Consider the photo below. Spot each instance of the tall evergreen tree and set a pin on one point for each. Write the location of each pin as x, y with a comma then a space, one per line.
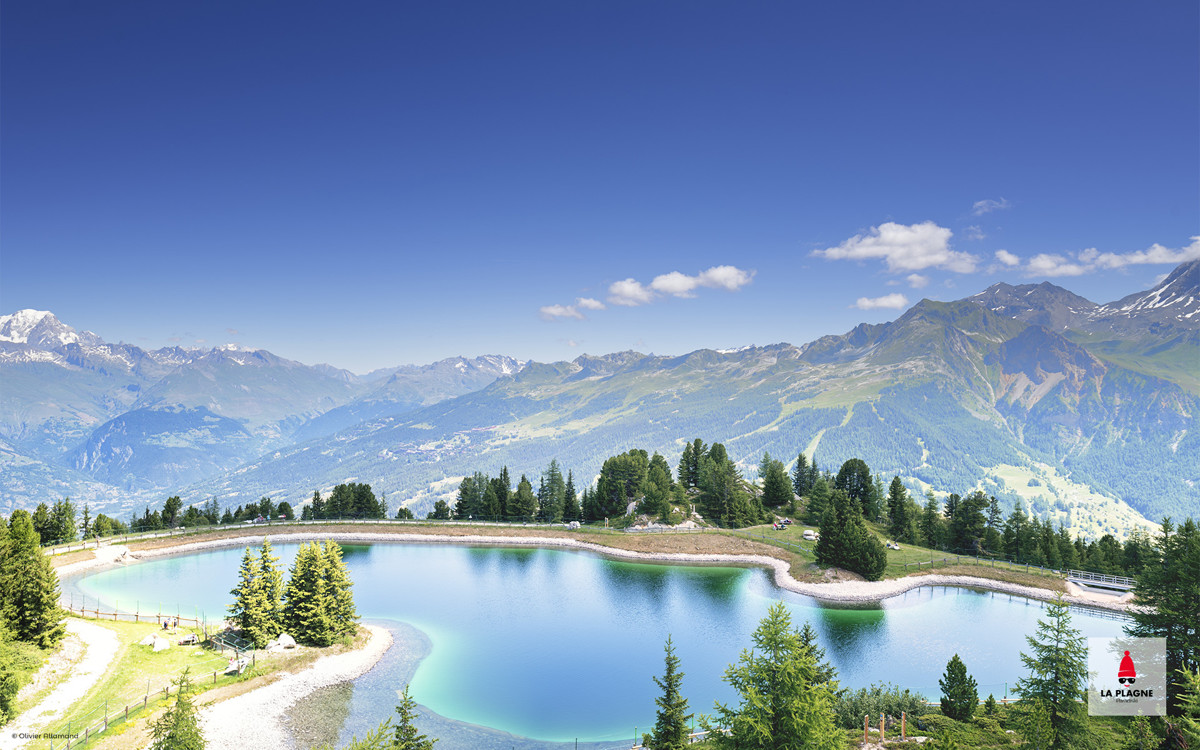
30, 605
825, 671
801, 481
571, 509
1057, 675
523, 504
272, 590
249, 608
959, 694
307, 599
406, 736
783, 706
846, 542
777, 489
897, 507
41, 523
170, 512
854, 478
178, 728
62, 521
343, 617
818, 502
1168, 598
671, 724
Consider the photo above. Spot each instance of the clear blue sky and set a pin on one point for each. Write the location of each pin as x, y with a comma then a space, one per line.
370, 184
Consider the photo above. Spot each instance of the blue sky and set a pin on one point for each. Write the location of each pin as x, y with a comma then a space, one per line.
381, 183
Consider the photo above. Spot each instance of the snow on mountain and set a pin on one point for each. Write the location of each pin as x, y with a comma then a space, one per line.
40, 329
1176, 298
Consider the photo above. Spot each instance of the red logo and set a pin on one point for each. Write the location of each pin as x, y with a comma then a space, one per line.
1126, 674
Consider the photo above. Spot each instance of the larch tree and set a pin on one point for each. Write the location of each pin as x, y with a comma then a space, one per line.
1057, 676
406, 735
178, 728
783, 706
249, 608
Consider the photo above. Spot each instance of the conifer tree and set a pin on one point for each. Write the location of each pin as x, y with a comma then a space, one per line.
782, 704
307, 599
897, 508
777, 490
406, 736
30, 605
1057, 679
801, 481
523, 504
818, 502
571, 509
272, 590
825, 671
671, 726
250, 607
959, 694
846, 542
1168, 595
343, 618
178, 728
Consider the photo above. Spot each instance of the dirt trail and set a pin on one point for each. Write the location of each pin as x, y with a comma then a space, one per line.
100, 648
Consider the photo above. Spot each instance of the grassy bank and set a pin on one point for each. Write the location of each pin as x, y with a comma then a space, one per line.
138, 676
787, 545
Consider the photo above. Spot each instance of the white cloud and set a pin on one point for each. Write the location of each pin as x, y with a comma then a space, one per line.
917, 281
629, 293
1007, 258
729, 278
1052, 264
1156, 253
975, 233
1091, 260
557, 312
675, 283
895, 301
904, 248
988, 205
633, 293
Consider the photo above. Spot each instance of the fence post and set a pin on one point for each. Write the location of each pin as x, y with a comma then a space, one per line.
866, 728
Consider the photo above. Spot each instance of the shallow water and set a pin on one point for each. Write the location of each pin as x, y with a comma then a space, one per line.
557, 645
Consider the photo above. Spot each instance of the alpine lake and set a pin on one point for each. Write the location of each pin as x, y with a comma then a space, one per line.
546, 648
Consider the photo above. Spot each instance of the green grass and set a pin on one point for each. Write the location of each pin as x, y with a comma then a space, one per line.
24, 659
911, 555
137, 669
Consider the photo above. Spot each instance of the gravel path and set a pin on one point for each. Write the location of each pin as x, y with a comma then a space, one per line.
253, 719
101, 646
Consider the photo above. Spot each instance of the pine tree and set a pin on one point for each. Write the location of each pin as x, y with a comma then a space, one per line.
85, 526
685, 466
825, 672
30, 605
782, 704
343, 618
407, 737
307, 600
671, 726
777, 490
249, 610
818, 502
1168, 599
272, 590
571, 509
959, 694
897, 507
1057, 678
846, 542
523, 504
178, 728
801, 481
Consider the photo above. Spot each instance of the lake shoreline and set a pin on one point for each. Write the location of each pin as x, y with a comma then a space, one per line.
839, 592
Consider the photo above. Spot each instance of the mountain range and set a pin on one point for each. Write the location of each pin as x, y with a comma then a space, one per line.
1085, 412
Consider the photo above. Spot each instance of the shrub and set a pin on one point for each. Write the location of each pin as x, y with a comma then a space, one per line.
853, 705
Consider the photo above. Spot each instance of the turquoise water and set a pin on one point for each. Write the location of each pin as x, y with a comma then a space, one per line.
556, 645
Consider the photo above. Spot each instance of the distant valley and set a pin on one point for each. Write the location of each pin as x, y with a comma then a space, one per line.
1085, 412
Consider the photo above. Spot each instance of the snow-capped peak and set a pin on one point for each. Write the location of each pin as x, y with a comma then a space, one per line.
39, 328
